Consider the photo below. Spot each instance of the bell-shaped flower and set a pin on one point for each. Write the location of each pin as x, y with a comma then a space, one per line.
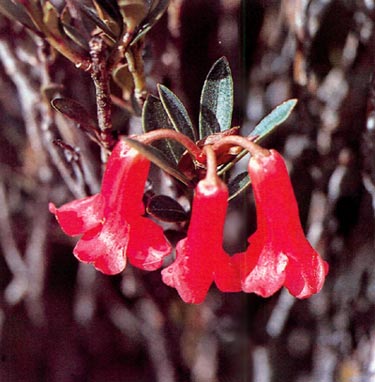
278, 253
200, 258
111, 222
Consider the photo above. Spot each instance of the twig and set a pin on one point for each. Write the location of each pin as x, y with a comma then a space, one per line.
136, 68
280, 314
85, 299
86, 178
371, 361
152, 325
35, 259
148, 322
206, 360
261, 363
28, 99
100, 76
12, 255
2, 320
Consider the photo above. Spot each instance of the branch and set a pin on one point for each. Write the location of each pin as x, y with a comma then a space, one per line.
100, 76
12, 256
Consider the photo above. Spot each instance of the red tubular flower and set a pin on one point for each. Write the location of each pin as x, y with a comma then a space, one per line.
200, 258
278, 254
111, 222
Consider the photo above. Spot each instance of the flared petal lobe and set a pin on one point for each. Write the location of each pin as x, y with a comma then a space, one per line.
147, 246
105, 248
79, 216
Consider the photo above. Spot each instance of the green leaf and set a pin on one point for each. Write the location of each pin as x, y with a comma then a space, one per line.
273, 119
166, 209
123, 78
155, 117
216, 104
176, 112
91, 14
35, 12
77, 113
238, 184
157, 157
75, 35
17, 12
133, 12
265, 127
51, 20
111, 8
74, 111
50, 90
156, 11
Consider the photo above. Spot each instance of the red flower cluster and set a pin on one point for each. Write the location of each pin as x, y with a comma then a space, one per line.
114, 229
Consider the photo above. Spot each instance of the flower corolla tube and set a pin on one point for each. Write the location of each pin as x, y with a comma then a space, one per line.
278, 253
111, 222
200, 258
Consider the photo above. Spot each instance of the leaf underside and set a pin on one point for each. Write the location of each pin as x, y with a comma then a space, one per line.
275, 118
74, 111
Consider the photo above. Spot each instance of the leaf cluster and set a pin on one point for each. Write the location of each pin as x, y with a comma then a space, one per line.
215, 118
69, 29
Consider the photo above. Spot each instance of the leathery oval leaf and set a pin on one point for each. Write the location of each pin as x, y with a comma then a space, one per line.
277, 116
216, 104
166, 209
176, 112
73, 110
155, 117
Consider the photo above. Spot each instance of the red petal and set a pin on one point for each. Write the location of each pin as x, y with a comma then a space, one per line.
227, 275
124, 180
262, 266
79, 216
147, 246
106, 249
306, 277
188, 275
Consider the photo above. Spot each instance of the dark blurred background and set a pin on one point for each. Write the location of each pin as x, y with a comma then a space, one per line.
61, 321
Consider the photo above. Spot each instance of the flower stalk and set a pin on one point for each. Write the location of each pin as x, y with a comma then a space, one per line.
151, 136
